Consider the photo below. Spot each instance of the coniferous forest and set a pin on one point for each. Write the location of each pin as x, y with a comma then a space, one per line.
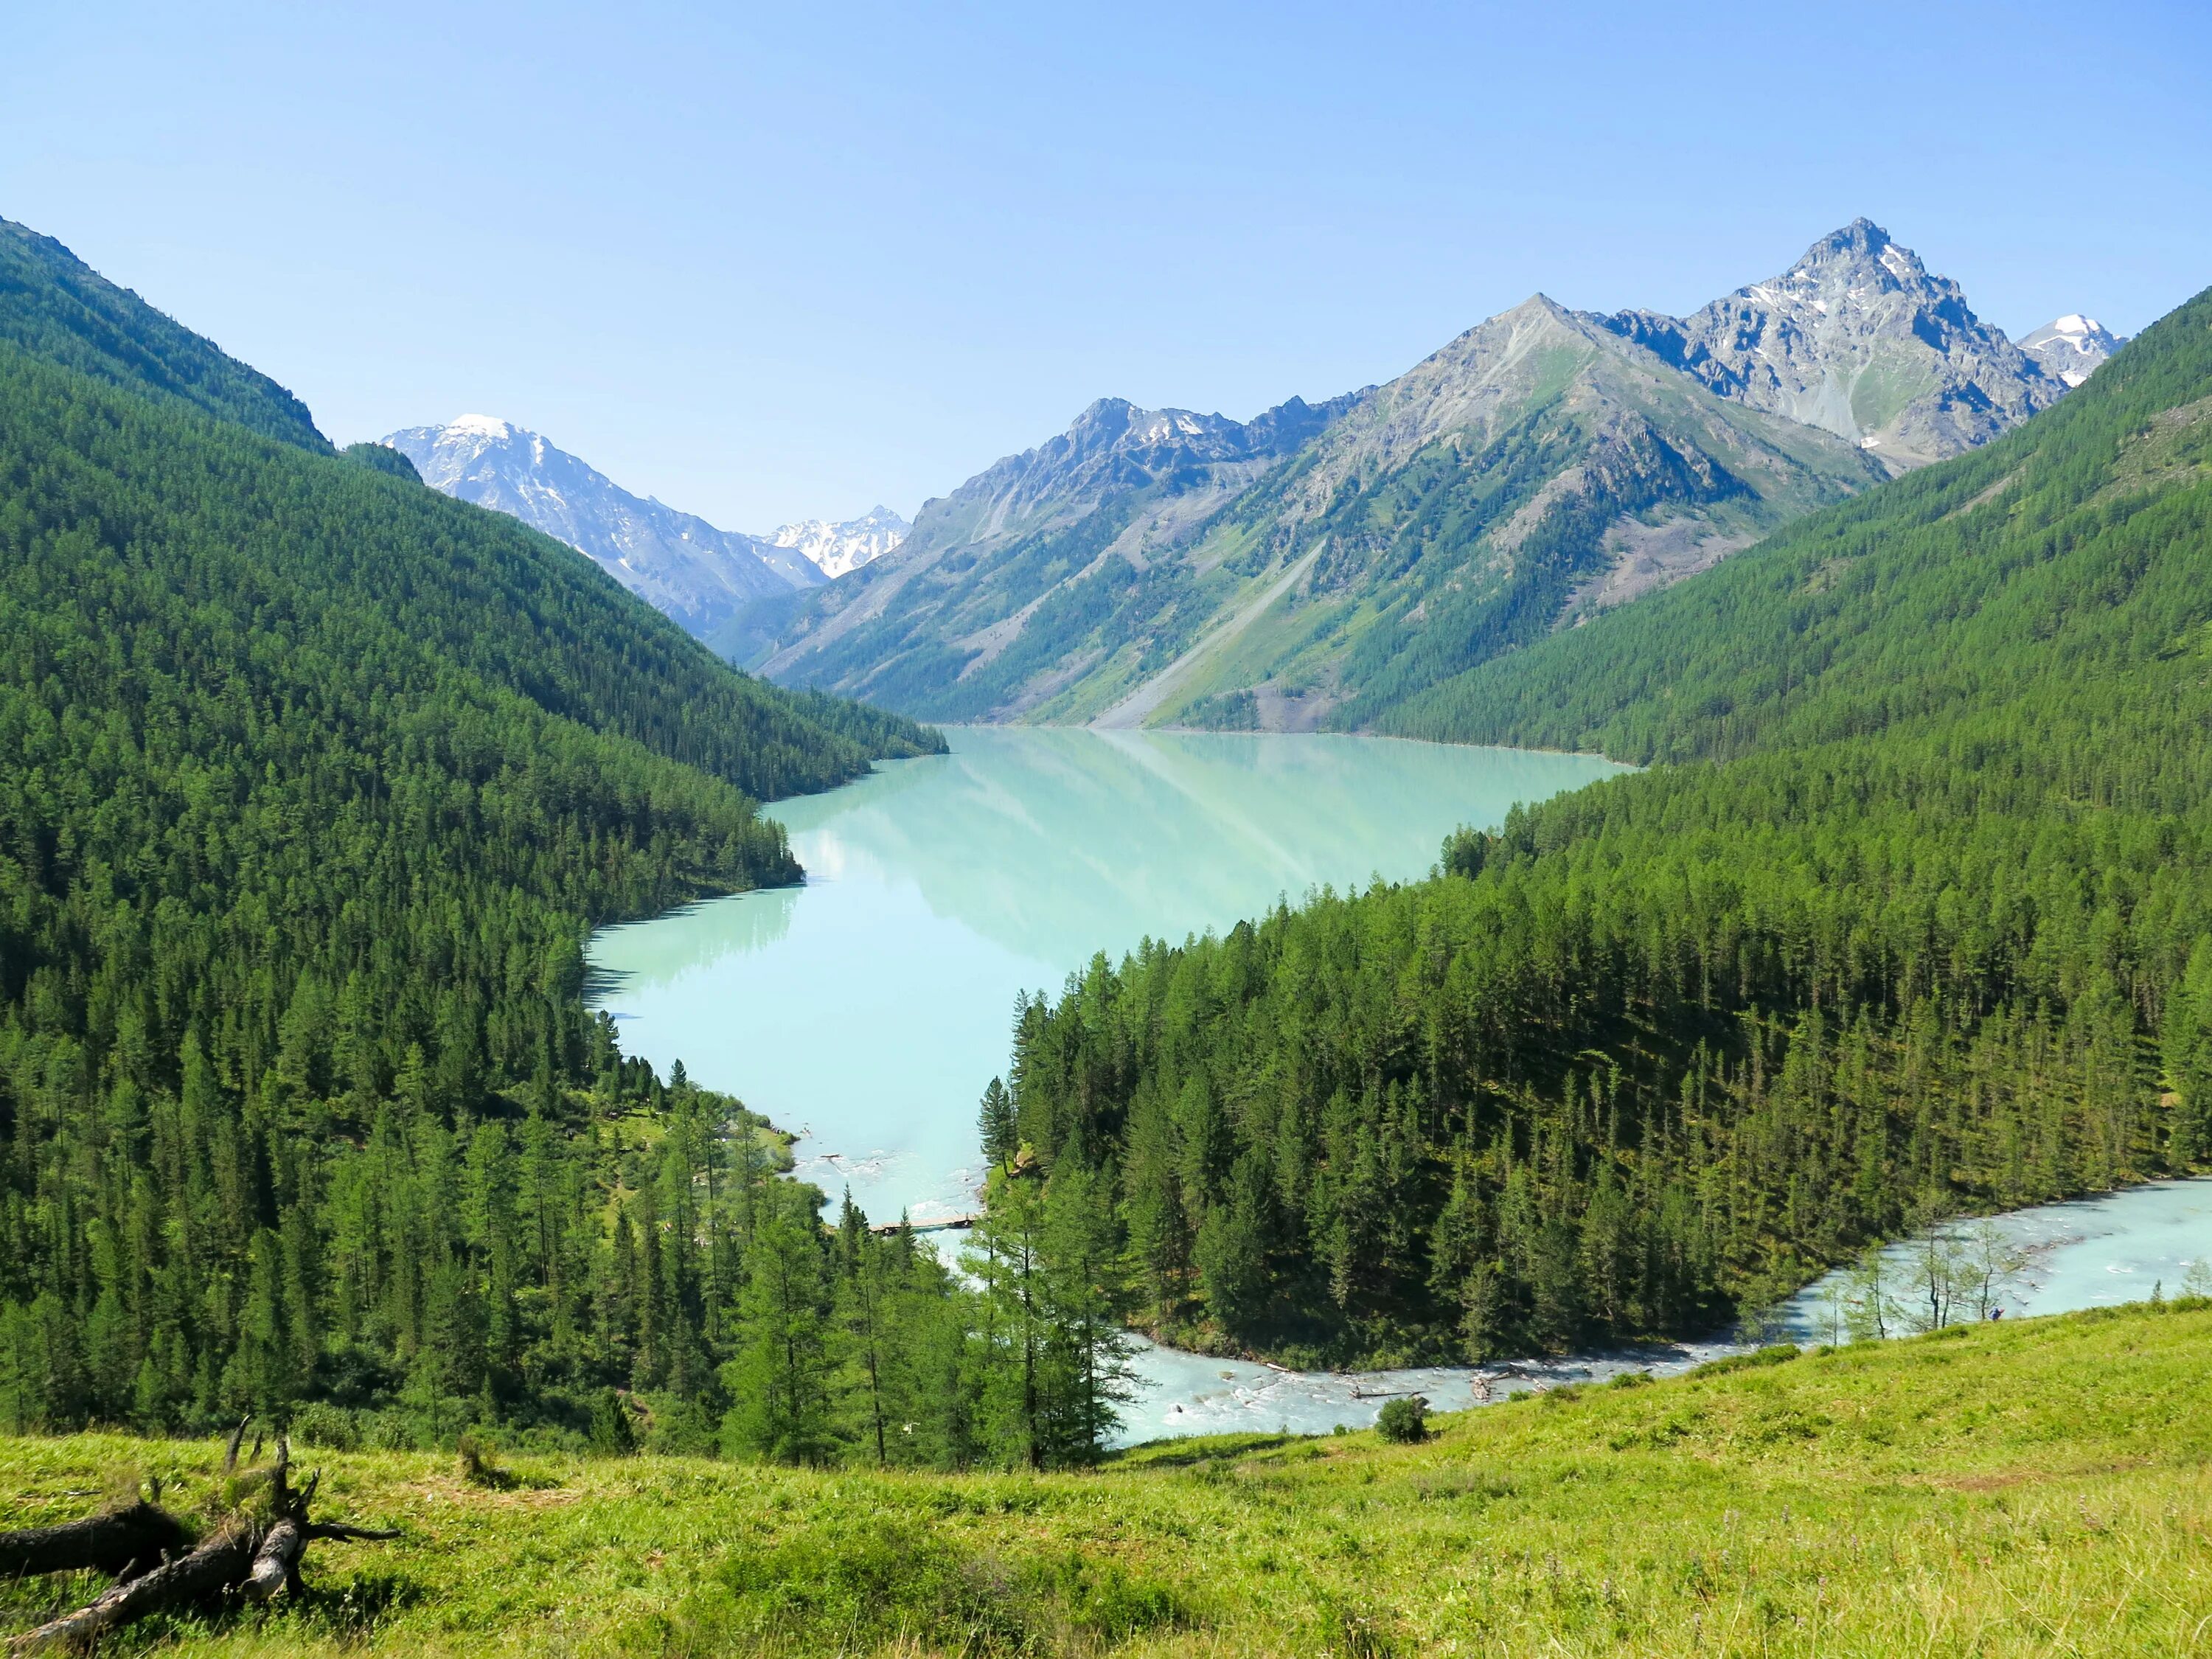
1912, 916
311, 783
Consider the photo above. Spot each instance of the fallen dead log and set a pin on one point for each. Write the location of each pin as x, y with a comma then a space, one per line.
202, 1576
245, 1557
135, 1535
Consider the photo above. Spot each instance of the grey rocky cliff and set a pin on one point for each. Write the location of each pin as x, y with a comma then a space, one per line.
1858, 339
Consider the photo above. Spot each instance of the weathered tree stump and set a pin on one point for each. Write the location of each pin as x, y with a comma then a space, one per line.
275, 1569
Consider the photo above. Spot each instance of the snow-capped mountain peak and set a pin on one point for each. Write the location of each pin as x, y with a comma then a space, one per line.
835, 548
676, 562
2071, 347
479, 426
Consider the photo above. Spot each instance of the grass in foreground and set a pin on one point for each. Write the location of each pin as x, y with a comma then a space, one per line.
2037, 1488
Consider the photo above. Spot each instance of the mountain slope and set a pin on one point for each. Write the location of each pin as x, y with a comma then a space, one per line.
675, 562
1915, 600
1546, 466
1536, 470
1911, 913
311, 781
1038, 546
55, 307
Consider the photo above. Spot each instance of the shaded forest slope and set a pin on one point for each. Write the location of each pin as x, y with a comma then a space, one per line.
311, 781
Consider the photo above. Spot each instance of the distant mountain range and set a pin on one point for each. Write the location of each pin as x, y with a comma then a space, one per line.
676, 561
1322, 563
835, 548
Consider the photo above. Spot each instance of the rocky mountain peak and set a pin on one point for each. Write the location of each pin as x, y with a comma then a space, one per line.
1857, 337
2070, 347
835, 548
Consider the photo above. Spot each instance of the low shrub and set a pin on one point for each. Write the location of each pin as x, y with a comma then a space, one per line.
330, 1428
478, 1466
1404, 1420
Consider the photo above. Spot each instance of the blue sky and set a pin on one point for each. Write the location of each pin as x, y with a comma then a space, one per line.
773, 263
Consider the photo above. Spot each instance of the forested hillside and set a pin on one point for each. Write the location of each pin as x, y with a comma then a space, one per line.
1918, 918
311, 781
57, 308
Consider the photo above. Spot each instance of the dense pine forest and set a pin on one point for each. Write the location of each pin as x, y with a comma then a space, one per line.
311, 783
1914, 919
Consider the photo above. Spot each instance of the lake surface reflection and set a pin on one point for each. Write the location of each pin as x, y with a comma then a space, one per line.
865, 1009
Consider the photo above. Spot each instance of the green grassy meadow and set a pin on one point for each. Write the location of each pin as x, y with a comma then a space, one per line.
2044, 1487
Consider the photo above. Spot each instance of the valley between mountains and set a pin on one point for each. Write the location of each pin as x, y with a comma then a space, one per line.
316, 784
1319, 566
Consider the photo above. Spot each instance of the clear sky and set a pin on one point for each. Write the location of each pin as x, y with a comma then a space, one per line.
768, 263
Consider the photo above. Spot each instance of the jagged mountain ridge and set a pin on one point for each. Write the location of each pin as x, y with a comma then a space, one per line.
676, 562
835, 548
1160, 566
1857, 338
2071, 347
980, 564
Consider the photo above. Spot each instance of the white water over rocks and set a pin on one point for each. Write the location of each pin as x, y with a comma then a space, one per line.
2086, 1252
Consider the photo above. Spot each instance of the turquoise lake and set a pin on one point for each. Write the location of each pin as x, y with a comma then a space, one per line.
865, 1009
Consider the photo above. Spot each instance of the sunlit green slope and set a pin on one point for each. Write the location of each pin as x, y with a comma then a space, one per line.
2030, 1489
